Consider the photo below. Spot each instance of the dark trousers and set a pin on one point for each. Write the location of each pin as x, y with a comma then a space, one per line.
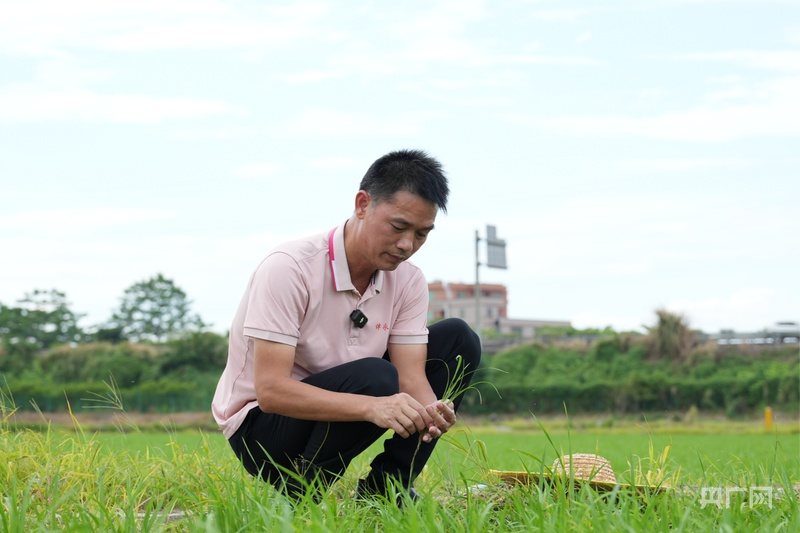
289, 452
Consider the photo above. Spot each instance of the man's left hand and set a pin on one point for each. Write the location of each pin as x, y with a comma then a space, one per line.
444, 417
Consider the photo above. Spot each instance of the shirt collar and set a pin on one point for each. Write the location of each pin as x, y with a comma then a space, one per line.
337, 258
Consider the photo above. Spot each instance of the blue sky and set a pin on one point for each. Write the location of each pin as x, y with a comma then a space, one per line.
634, 155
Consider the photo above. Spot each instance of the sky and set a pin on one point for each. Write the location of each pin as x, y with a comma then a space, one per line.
634, 155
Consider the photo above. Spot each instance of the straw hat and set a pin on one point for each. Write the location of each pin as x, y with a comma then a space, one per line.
585, 466
582, 468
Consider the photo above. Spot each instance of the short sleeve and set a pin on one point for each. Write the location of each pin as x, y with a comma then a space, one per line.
277, 300
410, 326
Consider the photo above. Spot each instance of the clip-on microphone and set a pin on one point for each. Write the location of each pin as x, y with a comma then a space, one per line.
359, 318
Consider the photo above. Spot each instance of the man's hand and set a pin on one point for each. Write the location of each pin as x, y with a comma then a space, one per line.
400, 413
410, 360
443, 417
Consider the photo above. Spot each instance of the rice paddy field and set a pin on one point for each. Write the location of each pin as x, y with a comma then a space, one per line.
708, 475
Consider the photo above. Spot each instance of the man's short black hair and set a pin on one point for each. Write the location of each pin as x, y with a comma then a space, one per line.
412, 171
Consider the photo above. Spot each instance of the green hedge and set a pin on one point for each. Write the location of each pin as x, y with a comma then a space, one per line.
640, 392
613, 376
165, 396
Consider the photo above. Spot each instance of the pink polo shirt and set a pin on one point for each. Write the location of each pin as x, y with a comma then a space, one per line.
301, 294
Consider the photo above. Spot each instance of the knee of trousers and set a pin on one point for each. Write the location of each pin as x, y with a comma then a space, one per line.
469, 344
374, 377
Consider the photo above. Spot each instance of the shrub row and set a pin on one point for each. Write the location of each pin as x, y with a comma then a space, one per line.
166, 396
639, 393
611, 376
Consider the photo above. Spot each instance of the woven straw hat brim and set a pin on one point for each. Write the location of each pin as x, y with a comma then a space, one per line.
578, 468
532, 478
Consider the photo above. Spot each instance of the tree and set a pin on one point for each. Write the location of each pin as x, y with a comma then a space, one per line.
194, 353
671, 337
43, 319
154, 310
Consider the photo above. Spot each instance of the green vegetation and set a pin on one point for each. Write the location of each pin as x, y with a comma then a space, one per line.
178, 375
152, 349
156, 354
618, 376
77, 480
663, 372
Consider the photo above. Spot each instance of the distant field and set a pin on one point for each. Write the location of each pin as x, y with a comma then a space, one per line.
713, 454
691, 455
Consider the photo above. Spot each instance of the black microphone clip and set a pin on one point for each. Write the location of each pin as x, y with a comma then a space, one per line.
359, 318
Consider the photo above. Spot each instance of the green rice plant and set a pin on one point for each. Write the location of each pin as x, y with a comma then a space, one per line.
7, 407
112, 400
183, 488
455, 388
653, 470
71, 479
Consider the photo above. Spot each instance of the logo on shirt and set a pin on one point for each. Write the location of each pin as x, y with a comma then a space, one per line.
384, 326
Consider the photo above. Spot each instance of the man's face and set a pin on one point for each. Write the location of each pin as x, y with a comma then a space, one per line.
396, 229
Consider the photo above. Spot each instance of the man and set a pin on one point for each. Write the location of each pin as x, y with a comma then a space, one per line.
329, 347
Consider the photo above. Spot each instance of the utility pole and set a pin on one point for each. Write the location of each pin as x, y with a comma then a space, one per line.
477, 284
495, 258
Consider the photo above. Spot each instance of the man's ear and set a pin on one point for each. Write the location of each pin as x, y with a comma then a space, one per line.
363, 200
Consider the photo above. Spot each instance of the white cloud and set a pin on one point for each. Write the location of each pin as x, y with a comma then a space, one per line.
567, 14
792, 34
651, 97
78, 220
311, 76
776, 111
193, 134
25, 104
331, 123
258, 170
68, 73
448, 85
439, 36
337, 164
438, 32
207, 33
787, 61
488, 60
683, 164
49, 27
727, 79
462, 93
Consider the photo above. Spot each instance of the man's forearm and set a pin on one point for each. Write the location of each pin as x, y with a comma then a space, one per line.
420, 390
293, 398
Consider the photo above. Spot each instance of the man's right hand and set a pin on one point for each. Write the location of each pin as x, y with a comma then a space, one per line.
400, 413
